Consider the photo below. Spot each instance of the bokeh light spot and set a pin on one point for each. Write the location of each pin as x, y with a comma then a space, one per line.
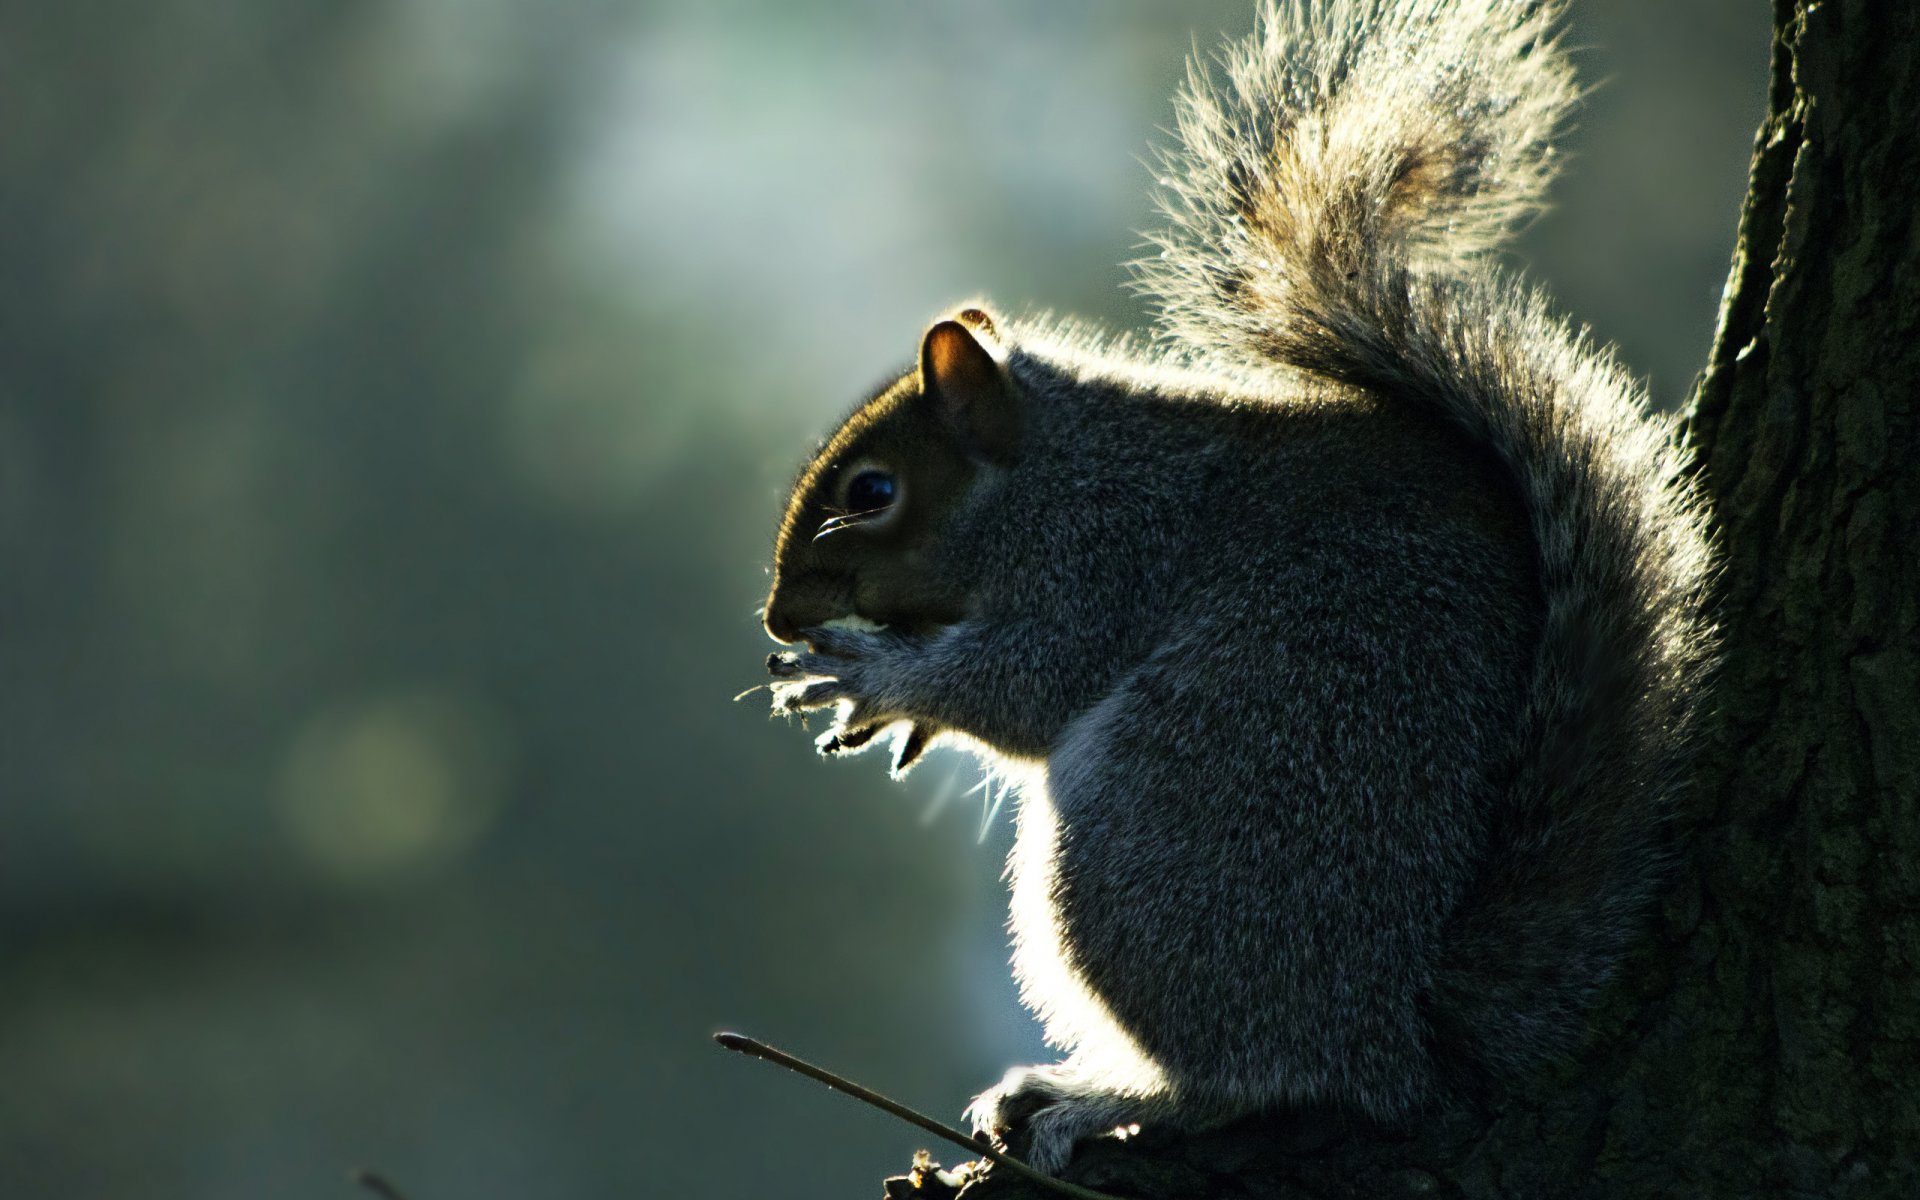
394, 784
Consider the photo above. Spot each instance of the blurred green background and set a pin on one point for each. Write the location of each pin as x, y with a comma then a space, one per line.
395, 402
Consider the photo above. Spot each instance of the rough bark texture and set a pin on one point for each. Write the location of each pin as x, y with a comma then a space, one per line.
1766, 1040
1805, 429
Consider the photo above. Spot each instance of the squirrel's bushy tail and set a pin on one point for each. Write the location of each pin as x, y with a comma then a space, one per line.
1332, 201
1346, 135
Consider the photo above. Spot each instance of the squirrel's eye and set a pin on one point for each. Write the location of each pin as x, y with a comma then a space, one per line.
869, 497
870, 490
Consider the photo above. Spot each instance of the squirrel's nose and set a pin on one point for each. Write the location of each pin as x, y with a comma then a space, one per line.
780, 627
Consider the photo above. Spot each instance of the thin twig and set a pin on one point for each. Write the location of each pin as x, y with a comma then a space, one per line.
757, 1049
376, 1183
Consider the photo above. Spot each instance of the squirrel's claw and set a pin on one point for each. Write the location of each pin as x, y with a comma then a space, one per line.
805, 695
808, 664
785, 665
908, 749
841, 740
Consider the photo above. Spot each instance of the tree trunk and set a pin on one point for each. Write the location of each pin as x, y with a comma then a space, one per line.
1802, 978
1766, 1040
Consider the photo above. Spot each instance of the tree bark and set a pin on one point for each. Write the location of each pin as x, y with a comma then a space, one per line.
1766, 1039
1804, 430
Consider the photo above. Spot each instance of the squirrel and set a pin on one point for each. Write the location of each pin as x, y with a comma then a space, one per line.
1347, 641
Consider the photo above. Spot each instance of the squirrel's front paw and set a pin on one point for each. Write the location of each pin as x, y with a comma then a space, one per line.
859, 671
836, 668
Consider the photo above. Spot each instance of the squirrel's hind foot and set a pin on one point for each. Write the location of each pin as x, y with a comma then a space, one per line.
1039, 1113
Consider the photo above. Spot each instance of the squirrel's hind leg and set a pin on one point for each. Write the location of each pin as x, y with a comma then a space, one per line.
1039, 1113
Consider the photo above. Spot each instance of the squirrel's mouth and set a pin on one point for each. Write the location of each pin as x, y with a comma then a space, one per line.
856, 622
852, 622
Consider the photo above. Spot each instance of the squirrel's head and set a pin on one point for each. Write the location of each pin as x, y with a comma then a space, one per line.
867, 512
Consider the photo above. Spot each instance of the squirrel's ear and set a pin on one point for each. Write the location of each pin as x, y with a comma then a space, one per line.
960, 373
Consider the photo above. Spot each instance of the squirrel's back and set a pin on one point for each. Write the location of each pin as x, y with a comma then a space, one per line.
1333, 202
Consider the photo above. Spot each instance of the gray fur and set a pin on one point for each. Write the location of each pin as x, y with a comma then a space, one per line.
1349, 651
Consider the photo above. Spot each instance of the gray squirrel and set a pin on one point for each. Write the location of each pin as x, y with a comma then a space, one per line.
1346, 641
